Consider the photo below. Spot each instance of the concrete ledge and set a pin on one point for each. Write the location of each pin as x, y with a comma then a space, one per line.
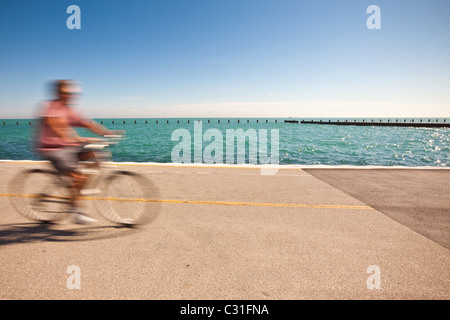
251, 166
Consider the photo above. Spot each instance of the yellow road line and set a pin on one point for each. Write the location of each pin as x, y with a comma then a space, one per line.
228, 203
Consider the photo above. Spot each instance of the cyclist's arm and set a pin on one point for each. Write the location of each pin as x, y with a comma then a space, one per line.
97, 128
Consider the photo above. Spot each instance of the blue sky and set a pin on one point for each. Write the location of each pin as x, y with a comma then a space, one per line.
214, 58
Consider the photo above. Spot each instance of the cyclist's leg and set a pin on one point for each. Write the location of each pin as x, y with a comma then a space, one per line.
78, 181
86, 155
65, 161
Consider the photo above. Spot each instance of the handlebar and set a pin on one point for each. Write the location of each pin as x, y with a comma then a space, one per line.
105, 142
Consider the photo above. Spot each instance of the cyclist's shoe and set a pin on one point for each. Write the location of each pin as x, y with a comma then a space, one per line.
80, 218
126, 221
86, 192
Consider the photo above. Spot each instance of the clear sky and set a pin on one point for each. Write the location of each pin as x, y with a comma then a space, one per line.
225, 58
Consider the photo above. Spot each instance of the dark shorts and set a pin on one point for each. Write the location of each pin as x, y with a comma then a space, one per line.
64, 160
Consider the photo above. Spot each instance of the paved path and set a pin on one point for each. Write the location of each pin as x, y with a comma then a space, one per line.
304, 239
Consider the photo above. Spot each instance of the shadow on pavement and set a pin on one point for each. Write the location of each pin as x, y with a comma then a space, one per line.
415, 198
47, 232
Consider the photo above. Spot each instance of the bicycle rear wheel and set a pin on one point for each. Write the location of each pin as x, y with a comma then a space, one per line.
128, 198
40, 195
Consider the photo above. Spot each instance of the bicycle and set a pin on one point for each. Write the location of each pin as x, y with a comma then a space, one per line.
121, 196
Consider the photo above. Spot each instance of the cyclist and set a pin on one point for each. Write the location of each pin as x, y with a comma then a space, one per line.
59, 143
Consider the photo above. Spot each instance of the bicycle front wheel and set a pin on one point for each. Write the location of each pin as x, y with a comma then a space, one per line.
40, 195
128, 198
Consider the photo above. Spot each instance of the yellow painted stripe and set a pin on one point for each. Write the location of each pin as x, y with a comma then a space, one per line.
228, 203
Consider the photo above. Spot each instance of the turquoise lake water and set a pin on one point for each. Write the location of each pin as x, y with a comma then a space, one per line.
150, 140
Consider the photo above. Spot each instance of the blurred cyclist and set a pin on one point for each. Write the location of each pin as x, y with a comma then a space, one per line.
59, 143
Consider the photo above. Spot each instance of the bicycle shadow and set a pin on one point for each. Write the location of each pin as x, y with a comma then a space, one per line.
32, 232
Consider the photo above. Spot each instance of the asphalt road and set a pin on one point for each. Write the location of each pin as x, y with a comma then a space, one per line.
419, 199
238, 235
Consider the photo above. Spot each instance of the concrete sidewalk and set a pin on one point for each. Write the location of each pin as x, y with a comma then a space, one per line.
304, 239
